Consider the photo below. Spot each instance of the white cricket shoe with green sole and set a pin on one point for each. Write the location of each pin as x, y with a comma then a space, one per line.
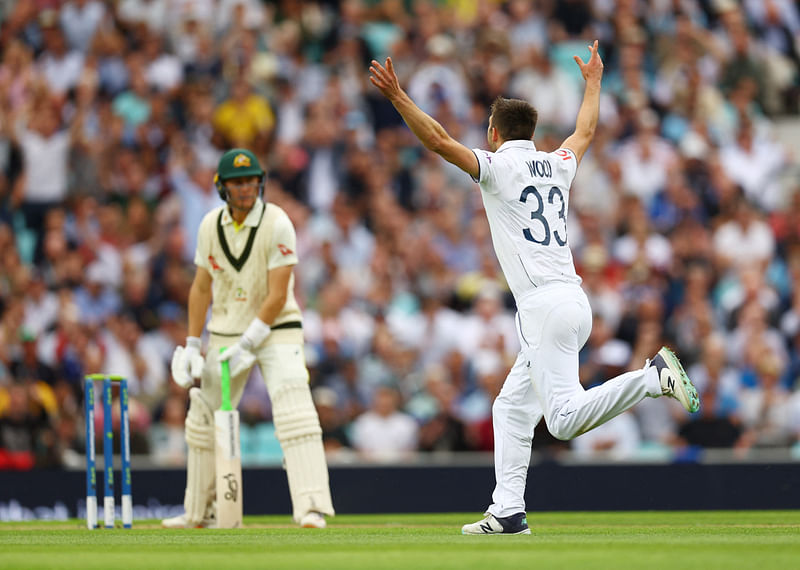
514, 524
674, 381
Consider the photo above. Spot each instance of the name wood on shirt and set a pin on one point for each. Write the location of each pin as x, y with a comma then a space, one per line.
540, 168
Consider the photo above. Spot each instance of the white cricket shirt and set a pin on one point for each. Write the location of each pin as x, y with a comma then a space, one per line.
526, 196
239, 262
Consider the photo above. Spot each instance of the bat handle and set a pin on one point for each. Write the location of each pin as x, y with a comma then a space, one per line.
225, 384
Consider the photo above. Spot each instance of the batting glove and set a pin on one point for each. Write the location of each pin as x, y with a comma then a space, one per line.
187, 362
240, 355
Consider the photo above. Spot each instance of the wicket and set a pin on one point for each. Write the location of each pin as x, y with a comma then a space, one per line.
108, 453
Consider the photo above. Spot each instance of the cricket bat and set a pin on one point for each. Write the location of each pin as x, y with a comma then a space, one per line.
228, 458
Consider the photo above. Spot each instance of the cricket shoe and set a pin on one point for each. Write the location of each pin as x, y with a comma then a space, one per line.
182, 522
514, 524
674, 381
313, 520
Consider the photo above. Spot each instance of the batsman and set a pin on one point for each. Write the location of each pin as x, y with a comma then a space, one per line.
245, 258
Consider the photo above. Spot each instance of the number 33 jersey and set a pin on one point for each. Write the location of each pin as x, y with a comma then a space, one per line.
526, 196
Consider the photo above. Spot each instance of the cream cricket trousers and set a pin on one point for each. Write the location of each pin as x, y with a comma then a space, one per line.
279, 364
297, 427
553, 323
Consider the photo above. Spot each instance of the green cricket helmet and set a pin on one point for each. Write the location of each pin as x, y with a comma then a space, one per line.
235, 163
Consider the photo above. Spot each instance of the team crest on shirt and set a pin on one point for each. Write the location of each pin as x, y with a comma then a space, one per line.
284, 250
240, 295
214, 265
241, 160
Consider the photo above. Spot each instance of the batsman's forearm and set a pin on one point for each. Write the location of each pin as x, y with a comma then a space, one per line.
271, 307
198, 308
426, 128
588, 114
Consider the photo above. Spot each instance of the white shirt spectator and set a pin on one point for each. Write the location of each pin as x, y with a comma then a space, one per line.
45, 161
119, 360
181, 10
438, 80
656, 250
528, 27
79, 20
384, 438
153, 13
646, 161
489, 327
433, 335
385, 433
551, 91
754, 164
744, 244
196, 202
616, 439
41, 308
61, 72
768, 412
728, 381
253, 14
165, 72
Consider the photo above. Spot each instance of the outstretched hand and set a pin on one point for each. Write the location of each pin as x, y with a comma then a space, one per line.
592, 70
385, 79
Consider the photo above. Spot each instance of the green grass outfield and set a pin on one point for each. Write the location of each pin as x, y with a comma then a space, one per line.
674, 540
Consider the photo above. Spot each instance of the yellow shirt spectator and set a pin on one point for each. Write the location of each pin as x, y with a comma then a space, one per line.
244, 116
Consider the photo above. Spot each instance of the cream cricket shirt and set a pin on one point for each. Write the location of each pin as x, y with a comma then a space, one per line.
239, 262
526, 196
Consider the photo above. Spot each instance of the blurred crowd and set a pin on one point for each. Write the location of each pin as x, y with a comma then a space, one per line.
685, 213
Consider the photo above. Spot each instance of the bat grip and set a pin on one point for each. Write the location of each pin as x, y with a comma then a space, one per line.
225, 385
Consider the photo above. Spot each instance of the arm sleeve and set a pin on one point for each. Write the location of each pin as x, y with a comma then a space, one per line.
486, 173
203, 246
566, 162
284, 243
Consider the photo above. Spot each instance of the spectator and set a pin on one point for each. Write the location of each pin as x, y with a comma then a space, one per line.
166, 438
96, 301
60, 64
384, 433
334, 436
765, 408
755, 163
489, 328
245, 119
80, 20
27, 408
42, 141
617, 439
444, 430
437, 85
28, 366
646, 160
743, 240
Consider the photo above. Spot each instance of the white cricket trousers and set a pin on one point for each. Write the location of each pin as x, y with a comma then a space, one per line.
553, 323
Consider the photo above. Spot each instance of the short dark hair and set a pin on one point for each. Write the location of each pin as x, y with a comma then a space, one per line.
514, 119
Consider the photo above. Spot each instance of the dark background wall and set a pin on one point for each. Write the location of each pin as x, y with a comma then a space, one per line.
382, 489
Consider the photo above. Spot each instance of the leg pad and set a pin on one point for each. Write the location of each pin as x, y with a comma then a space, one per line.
200, 466
298, 431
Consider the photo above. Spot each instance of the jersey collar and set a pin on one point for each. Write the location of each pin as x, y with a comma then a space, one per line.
517, 143
252, 219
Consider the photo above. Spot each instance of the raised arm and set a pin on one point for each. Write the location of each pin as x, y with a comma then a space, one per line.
592, 71
430, 133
